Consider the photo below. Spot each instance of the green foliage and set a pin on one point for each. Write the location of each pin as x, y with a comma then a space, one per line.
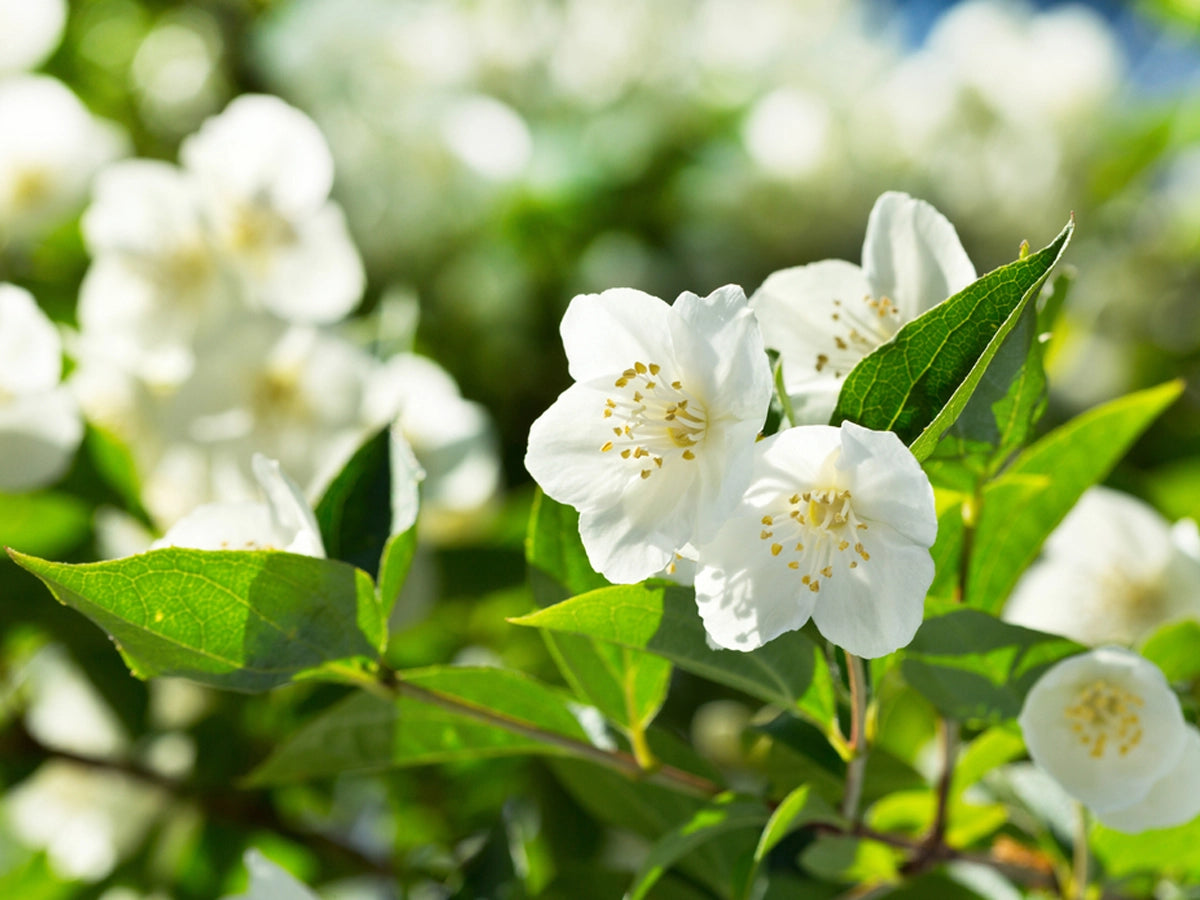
628, 686
368, 733
1019, 508
45, 523
239, 620
1173, 648
975, 668
919, 382
661, 618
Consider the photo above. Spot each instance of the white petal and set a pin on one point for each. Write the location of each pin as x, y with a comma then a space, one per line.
290, 513
142, 206
1172, 800
796, 309
319, 278
744, 600
621, 548
406, 475
912, 254
244, 525
39, 434
1113, 528
30, 348
262, 149
605, 333
876, 608
31, 31
887, 483
1112, 780
1058, 597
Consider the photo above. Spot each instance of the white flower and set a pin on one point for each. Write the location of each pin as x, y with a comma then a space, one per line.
31, 32
284, 521
826, 316
156, 282
451, 437
1112, 572
652, 443
40, 426
264, 173
269, 881
1108, 727
836, 525
50, 145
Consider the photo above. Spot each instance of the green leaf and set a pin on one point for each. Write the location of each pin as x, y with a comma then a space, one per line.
1173, 649
115, 464
240, 620
851, 859
1022, 506
394, 566
366, 733
662, 618
628, 686
990, 750
33, 879
799, 808
725, 814
1166, 853
975, 668
43, 523
919, 382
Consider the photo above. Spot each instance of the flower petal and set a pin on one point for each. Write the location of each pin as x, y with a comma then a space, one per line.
912, 254
796, 309
604, 333
30, 348
1110, 779
1172, 800
39, 434
887, 482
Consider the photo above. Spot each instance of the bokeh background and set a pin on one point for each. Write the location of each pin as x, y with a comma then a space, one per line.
494, 158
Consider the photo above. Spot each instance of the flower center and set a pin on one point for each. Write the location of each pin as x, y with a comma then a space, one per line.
1105, 714
864, 327
812, 532
653, 420
31, 186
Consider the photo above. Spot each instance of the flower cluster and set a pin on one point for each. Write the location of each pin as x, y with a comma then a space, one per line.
655, 445
1108, 727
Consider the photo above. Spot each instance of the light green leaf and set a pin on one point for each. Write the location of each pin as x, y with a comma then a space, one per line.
799, 808
1022, 506
725, 814
394, 565
1166, 853
662, 618
975, 668
239, 620
991, 749
627, 685
366, 733
919, 382
43, 523
1173, 649
852, 860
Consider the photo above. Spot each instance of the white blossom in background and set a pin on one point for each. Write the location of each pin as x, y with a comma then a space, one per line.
1111, 573
269, 881
836, 525
452, 439
40, 424
263, 172
156, 283
1108, 728
50, 146
31, 29
826, 316
283, 521
653, 442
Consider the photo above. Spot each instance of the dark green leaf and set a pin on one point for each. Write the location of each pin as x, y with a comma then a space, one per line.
240, 620
975, 668
919, 382
355, 512
1022, 506
366, 733
662, 619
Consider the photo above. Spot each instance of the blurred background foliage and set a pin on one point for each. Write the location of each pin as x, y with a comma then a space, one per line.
494, 158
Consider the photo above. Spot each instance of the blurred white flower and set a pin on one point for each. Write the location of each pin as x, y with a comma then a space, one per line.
452, 439
31, 29
488, 136
826, 316
50, 145
1108, 727
87, 819
66, 711
836, 525
284, 521
264, 173
652, 443
269, 881
1111, 573
40, 425
156, 282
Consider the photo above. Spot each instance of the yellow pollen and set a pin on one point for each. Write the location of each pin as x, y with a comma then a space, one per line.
799, 547
1103, 713
765, 534
645, 473
626, 453
630, 373
806, 579
655, 368
650, 385
608, 446
688, 454
621, 382
677, 385
776, 549
854, 563
767, 520
640, 368
815, 586
842, 545
793, 565
827, 571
